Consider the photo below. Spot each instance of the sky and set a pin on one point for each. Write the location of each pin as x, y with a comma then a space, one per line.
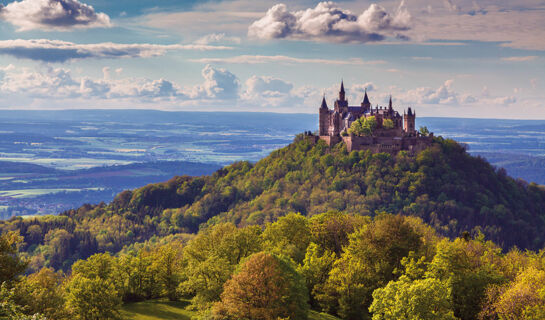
447, 58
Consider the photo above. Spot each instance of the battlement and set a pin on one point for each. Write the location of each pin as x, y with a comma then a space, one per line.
391, 132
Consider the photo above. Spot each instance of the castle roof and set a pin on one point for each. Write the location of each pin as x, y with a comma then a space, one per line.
365, 98
324, 104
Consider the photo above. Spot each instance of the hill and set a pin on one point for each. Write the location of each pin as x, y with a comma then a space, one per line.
445, 186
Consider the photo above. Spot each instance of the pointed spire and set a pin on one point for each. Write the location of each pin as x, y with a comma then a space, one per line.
324, 103
366, 98
390, 103
342, 86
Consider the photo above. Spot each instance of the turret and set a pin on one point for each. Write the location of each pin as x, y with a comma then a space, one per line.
324, 104
409, 121
366, 105
324, 118
341, 105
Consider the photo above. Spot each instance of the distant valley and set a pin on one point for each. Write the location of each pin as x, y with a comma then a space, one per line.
51, 161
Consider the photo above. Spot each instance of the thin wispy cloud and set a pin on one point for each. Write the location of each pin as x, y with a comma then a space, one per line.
60, 15
61, 51
258, 59
520, 59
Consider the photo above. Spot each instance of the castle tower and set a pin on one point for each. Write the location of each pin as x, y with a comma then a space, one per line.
324, 118
341, 105
390, 108
409, 121
366, 105
341, 92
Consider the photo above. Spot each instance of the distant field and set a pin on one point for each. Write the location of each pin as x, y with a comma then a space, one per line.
29, 193
166, 310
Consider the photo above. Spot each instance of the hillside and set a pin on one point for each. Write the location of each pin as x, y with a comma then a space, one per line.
445, 186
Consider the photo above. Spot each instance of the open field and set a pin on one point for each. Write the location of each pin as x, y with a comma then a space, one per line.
165, 310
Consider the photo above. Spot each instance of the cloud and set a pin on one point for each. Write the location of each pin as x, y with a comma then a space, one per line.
427, 95
512, 24
519, 58
58, 84
217, 38
61, 51
327, 22
270, 92
258, 59
218, 83
59, 15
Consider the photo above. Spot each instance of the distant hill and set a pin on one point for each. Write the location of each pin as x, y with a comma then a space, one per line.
444, 185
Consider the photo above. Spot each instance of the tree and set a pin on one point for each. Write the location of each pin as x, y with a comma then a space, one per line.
316, 267
289, 235
372, 256
11, 265
387, 124
331, 230
265, 288
363, 126
460, 263
167, 267
41, 293
92, 298
424, 131
423, 299
523, 298
211, 257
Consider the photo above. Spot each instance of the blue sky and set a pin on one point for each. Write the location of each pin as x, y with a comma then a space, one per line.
460, 58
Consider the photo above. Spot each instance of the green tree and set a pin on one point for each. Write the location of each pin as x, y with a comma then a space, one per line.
289, 235
11, 264
364, 126
369, 262
265, 288
331, 230
424, 131
42, 293
92, 298
387, 124
167, 268
460, 264
316, 267
211, 257
423, 299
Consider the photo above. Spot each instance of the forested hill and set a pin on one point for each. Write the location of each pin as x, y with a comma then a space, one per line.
444, 185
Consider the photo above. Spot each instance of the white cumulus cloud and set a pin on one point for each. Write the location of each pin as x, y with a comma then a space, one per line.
328, 22
52, 15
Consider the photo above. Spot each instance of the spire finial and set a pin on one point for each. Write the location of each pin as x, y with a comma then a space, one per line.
390, 103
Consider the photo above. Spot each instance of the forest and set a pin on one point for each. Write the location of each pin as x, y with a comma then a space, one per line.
347, 265
356, 235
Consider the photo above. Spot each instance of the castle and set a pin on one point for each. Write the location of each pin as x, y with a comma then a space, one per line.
390, 132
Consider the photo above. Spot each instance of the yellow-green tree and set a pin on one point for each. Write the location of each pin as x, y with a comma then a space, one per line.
42, 293
211, 257
289, 235
92, 298
387, 124
11, 264
369, 261
167, 266
422, 299
363, 126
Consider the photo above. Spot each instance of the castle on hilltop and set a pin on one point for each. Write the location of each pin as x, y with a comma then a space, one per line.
387, 130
